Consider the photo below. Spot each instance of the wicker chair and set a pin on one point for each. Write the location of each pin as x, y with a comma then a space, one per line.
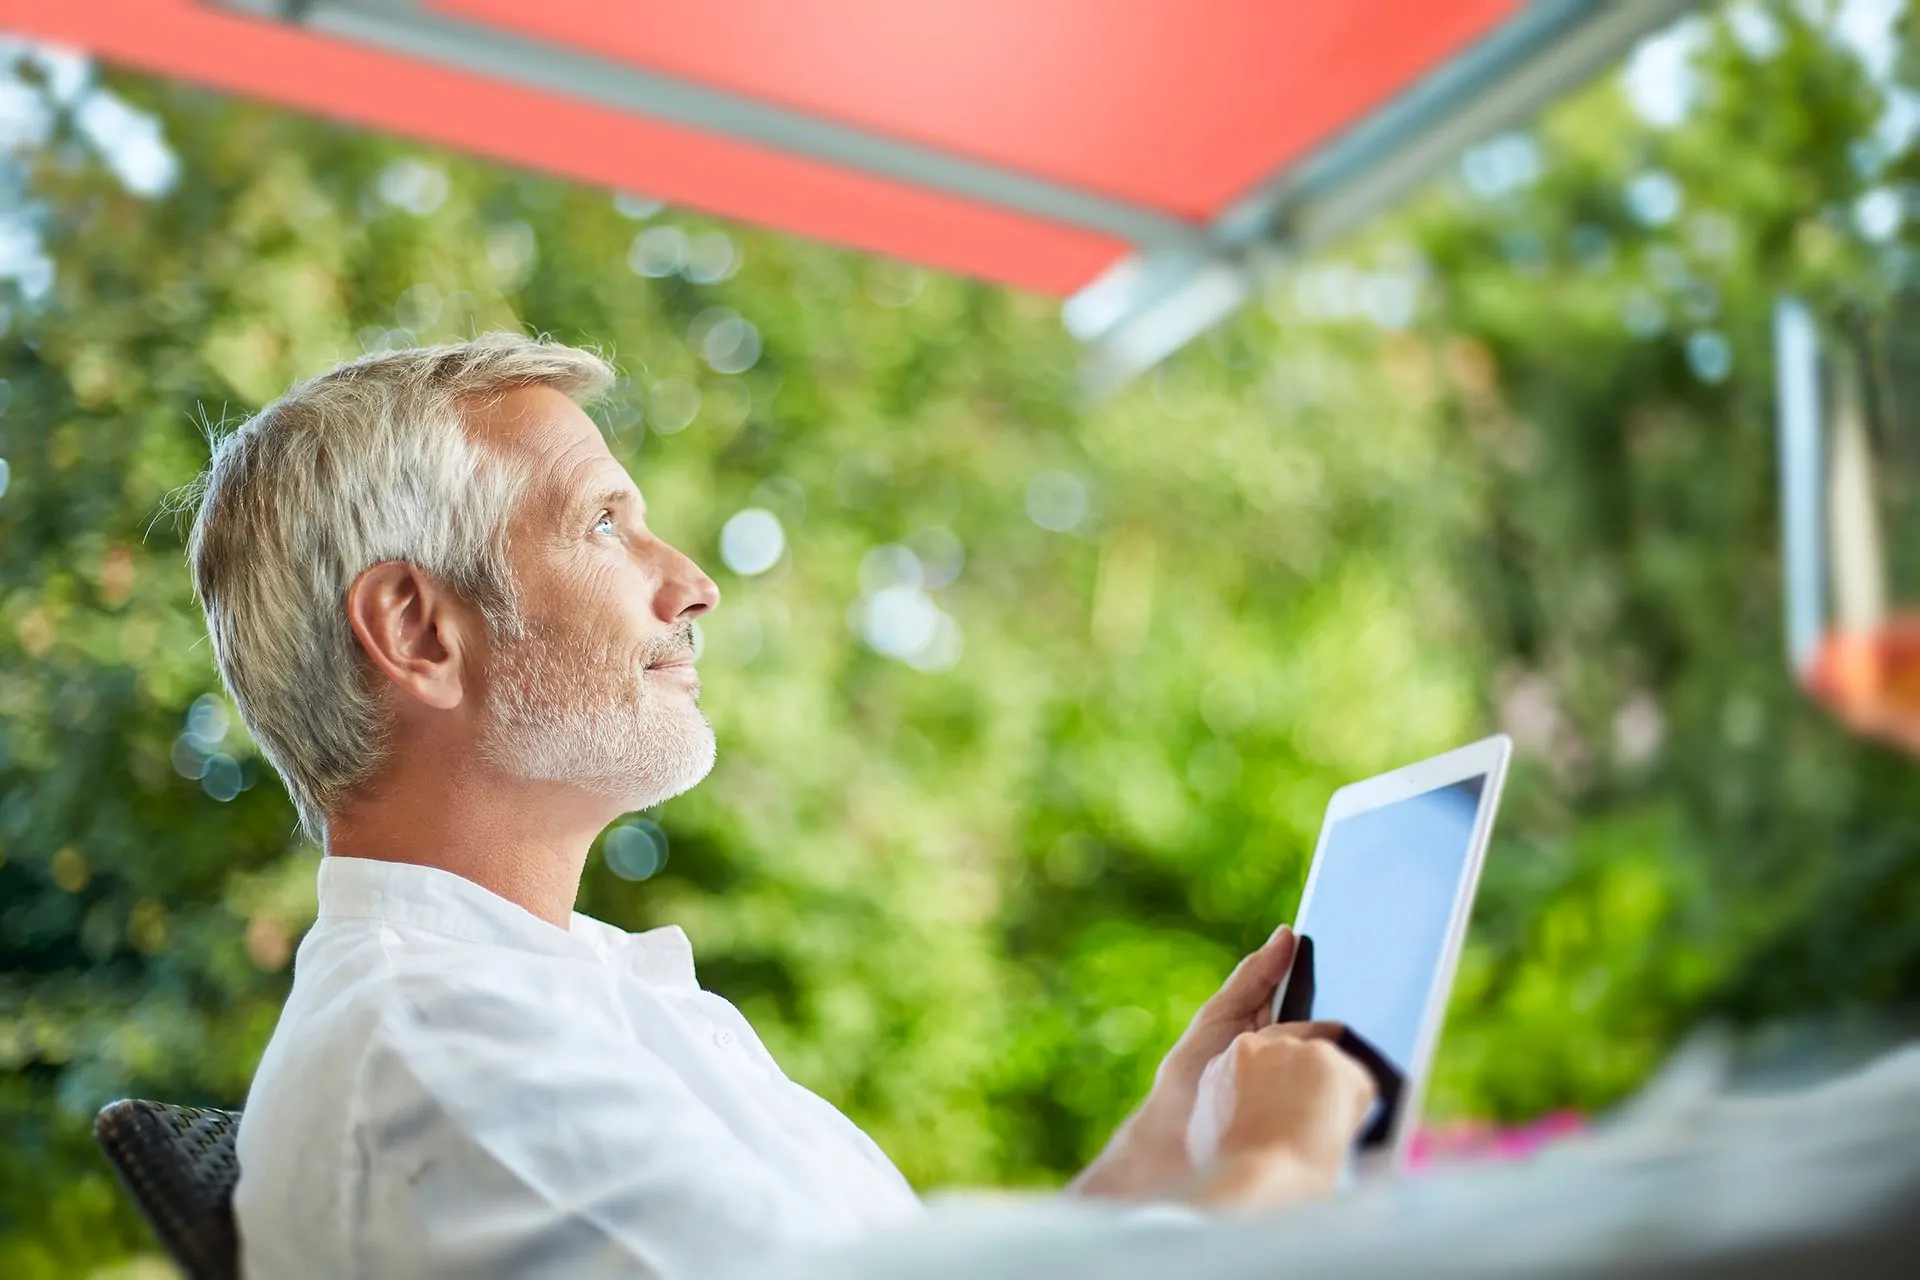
179, 1165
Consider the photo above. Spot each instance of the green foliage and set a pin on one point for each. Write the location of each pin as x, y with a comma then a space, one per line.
973, 906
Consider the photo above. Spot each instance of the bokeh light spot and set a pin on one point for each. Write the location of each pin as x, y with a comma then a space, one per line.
132, 144
900, 621
1654, 198
658, 252
418, 308
221, 778
1501, 166
1713, 234
1709, 355
711, 258
207, 719
752, 541
147, 927
1660, 79
1756, 30
1057, 500
69, 869
731, 346
1879, 214
636, 208
189, 760
942, 649
414, 186
511, 250
894, 284
636, 850
672, 405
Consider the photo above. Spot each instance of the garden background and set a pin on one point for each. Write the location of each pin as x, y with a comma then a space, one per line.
1027, 726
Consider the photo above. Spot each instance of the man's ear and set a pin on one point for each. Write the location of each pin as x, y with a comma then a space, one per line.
413, 629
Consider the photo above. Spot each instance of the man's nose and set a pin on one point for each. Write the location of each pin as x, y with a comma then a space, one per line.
685, 592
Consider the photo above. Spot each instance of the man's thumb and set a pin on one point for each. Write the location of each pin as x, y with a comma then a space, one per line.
1252, 981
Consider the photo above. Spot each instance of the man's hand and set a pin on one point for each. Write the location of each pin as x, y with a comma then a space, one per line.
1148, 1153
1276, 1115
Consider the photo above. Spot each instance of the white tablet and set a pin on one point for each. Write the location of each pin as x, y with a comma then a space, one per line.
1382, 920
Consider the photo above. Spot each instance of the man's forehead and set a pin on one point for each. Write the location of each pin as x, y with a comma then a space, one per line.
526, 423
545, 432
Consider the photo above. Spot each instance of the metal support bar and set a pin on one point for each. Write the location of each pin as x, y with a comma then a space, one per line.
402, 27
1555, 46
1536, 58
1796, 360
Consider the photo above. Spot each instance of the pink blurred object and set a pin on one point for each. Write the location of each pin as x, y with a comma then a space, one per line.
1463, 1141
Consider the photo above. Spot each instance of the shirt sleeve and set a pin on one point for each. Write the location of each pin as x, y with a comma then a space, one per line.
511, 1136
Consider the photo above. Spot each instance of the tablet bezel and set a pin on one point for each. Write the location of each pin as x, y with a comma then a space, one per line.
1488, 757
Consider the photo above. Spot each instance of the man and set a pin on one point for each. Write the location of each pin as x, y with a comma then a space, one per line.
433, 594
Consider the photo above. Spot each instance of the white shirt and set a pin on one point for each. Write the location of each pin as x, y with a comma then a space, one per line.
458, 1088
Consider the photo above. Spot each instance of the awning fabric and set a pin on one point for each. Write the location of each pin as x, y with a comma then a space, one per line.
1132, 155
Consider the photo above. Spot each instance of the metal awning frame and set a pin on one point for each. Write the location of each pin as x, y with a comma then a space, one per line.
1151, 304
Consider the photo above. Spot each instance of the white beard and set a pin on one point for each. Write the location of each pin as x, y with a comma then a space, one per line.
584, 714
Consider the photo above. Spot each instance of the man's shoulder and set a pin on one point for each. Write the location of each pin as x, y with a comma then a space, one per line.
358, 997
346, 969
398, 990
411, 1032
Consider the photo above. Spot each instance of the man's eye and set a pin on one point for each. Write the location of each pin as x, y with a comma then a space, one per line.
604, 524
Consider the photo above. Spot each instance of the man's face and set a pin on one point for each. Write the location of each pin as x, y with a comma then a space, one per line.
599, 688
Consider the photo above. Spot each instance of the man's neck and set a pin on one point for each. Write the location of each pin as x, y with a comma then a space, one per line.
525, 842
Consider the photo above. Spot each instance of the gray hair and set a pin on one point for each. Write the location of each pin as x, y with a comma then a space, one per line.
367, 462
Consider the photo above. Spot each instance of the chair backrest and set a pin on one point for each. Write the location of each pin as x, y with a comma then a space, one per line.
179, 1164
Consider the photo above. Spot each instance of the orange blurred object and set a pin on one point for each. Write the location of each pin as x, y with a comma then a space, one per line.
1871, 680
1848, 398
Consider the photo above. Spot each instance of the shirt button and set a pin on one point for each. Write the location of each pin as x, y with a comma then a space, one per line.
723, 1038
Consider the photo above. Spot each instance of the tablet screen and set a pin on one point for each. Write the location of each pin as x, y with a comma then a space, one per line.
1383, 899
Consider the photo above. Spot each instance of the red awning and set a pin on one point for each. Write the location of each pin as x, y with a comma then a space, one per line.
1131, 153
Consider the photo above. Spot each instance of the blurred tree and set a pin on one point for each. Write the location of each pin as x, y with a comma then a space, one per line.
1691, 835
1027, 714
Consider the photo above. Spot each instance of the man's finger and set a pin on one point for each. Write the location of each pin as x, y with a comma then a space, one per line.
1252, 982
1304, 1031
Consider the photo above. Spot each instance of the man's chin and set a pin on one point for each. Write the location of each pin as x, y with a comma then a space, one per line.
684, 769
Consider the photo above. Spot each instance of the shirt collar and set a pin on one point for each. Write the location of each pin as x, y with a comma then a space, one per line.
428, 898
413, 896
